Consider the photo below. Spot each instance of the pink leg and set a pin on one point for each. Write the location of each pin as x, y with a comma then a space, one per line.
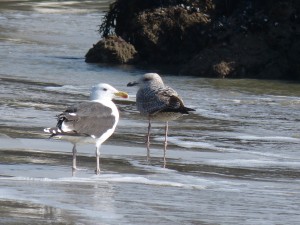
74, 151
97, 171
165, 144
148, 141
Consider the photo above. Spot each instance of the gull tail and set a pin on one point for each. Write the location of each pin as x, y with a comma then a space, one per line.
182, 110
186, 110
189, 109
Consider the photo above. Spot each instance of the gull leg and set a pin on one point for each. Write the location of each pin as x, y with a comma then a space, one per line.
97, 171
165, 144
148, 141
74, 151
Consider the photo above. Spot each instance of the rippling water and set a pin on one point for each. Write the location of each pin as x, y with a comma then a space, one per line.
234, 161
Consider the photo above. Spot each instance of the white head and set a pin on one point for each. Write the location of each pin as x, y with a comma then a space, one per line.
148, 79
106, 92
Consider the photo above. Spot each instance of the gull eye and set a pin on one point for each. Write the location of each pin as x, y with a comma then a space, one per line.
104, 89
146, 79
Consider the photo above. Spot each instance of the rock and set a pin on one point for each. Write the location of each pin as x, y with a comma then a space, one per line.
243, 56
164, 35
294, 60
223, 68
112, 49
211, 38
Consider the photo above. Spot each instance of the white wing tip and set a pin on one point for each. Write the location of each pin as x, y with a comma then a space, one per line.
47, 130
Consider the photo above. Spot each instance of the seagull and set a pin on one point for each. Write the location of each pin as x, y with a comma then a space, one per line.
158, 102
93, 121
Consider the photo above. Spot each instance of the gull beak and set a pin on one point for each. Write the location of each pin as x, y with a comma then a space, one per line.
121, 94
134, 83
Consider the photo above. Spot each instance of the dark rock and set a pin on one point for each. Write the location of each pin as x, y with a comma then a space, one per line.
168, 35
244, 56
294, 60
112, 49
223, 68
211, 38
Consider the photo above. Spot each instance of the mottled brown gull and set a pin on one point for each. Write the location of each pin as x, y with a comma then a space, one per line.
89, 122
158, 102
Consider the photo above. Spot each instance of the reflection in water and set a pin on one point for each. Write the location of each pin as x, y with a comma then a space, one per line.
14, 212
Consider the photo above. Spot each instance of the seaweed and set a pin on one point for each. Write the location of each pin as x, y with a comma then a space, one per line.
120, 16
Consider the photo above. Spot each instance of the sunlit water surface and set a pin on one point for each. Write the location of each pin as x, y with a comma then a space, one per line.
234, 161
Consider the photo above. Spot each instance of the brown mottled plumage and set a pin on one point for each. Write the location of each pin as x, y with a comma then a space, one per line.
158, 102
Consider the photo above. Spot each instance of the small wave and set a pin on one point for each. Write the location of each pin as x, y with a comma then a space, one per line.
268, 138
143, 180
251, 137
70, 89
194, 144
64, 87
107, 178
213, 115
254, 163
62, 10
191, 144
60, 7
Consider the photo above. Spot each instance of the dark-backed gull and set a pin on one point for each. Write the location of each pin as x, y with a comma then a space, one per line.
89, 122
158, 102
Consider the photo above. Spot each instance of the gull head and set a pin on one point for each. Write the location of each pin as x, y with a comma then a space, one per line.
106, 92
148, 80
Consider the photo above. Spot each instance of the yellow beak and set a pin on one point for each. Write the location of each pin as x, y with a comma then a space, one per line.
121, 94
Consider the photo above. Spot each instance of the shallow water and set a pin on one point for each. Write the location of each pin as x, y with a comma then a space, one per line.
234, 161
